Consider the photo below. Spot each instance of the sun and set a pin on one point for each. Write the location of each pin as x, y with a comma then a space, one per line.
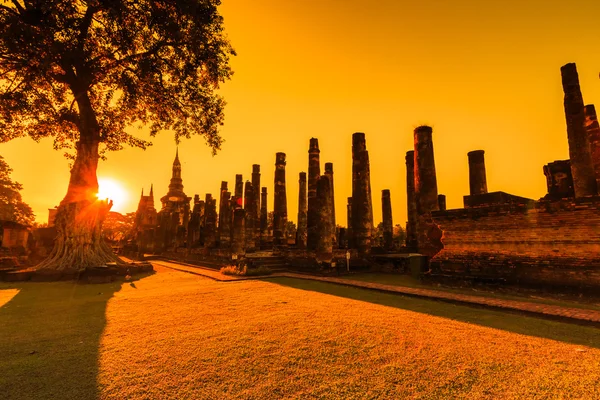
111, 189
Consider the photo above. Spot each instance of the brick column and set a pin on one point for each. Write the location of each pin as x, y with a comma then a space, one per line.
280, 202
238, 245
425, 177
302, 213
442, 202
263, 216
582, 168
593, 130
329, 174
210, 222
314, 172
388, 224
477, 179
411, 202
324, 249
249, 207
362, 207
256, 189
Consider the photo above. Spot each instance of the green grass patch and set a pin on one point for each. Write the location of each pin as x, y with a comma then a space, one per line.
512, 322
409, 281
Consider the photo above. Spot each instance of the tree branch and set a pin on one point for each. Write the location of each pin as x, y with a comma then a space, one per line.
85, 25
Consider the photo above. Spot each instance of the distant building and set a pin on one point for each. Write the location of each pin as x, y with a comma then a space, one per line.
174, 215
52, 216
145, 223
13, 235
166, 229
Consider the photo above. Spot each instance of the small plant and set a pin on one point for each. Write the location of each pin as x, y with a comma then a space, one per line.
244, 271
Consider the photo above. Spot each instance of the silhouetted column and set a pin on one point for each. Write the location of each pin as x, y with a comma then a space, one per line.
238, 245
362, 207
388, 224
442, 202
425, 177
429, 233
314, 172
263, 216
256, 188
249, 207
329, 174
477, 179
593, 130
582, 168
210, 231
559, 180
221, 215
324, 249
225, 221
238, 196
302, 213
411, 202
349, 233
280, 202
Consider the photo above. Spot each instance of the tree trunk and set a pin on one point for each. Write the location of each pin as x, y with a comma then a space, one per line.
79, 244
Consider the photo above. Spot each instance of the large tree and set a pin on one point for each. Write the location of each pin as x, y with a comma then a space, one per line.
12, 206
82, 72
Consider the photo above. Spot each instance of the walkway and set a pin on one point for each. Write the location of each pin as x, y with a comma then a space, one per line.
546, 310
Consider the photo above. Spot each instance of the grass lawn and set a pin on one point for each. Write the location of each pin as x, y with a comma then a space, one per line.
409, 281
181, 336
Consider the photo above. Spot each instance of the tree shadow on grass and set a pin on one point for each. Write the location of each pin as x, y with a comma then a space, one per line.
50, 336
512, 322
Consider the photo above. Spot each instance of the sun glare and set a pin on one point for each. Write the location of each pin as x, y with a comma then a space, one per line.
111, 189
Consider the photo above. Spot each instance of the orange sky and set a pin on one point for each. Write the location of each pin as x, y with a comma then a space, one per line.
484, 74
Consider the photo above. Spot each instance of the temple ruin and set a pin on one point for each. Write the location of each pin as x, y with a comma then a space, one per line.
495, 235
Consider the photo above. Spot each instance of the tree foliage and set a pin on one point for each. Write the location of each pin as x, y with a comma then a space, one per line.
12, 206
118, 227
88, 69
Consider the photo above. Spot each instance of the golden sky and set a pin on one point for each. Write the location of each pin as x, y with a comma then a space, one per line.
484, 74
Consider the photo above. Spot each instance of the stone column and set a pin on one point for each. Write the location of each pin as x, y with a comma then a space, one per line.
429, 233
221, 215
442, 202
238, 245
324, 248
238, 195
263, 216
477, 179
249, 207
411, 224
302, 213
425, 177
582, 167
362, 207
388, 224
210, 231
593, 130
349, 237
329, 174
256, 191
314, 172
280, 202
225, 221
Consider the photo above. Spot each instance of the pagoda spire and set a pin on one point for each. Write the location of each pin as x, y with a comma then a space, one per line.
151, 190
176, 162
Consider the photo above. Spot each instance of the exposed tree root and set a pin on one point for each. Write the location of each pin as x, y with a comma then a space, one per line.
79, 244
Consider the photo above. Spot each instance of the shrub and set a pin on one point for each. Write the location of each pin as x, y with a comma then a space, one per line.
244, 271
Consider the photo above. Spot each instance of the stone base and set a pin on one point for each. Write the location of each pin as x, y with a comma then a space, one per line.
103, 274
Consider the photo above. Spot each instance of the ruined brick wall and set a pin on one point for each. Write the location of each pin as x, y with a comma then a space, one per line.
555, 243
